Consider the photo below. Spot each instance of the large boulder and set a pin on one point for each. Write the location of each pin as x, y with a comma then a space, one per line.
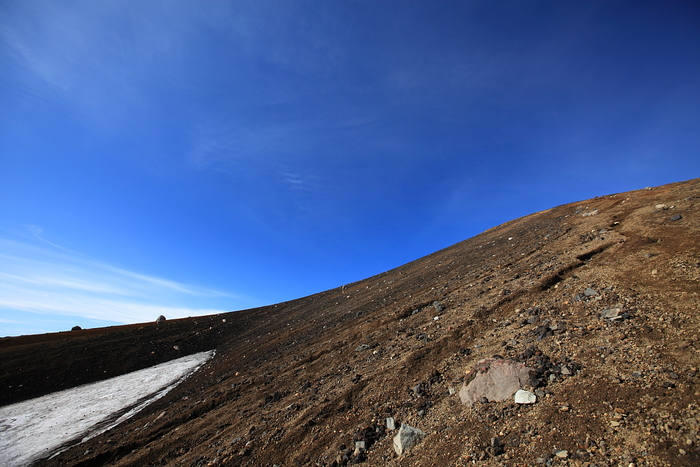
160, 319
494, 379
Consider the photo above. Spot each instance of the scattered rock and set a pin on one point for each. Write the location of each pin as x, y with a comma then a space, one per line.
407, 438
614, 314
418, 390
525, 397
438, 306
493, 379
496, 449
610, 313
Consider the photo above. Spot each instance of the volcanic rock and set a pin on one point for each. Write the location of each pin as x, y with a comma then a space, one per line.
495, 379
407, 438
525, 397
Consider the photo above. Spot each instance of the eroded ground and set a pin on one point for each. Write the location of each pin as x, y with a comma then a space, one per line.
298, 383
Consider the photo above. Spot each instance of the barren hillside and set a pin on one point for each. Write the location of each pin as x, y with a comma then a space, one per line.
599, 298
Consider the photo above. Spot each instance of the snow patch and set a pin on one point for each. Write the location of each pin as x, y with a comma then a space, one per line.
42, 427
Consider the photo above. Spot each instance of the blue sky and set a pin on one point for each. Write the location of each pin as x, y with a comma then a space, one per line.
185, 157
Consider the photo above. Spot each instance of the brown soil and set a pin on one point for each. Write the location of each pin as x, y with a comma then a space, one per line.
299, 382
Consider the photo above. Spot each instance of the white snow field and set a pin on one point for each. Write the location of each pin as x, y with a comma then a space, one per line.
44, 426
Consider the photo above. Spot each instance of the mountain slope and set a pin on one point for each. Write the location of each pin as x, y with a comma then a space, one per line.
299, 382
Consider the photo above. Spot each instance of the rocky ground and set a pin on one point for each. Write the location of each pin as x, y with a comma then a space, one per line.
599, 298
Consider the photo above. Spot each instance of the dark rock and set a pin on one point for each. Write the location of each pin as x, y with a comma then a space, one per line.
589, 292
496, 449
418, 390
160, 319
677, 217
76, 328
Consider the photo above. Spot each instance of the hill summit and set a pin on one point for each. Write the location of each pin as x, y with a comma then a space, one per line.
595, 303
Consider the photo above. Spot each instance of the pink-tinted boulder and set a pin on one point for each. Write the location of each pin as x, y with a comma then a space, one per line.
495, 379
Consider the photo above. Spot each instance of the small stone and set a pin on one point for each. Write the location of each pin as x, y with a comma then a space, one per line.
614, 423
565, 371
589, 292
407, 438
677, 217
661, 206
390, 423
562, 454
362, 347
496, 449
525, 397
610, 313
564, 408
417, 390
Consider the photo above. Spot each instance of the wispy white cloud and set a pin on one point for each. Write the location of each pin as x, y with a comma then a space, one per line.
40, 282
